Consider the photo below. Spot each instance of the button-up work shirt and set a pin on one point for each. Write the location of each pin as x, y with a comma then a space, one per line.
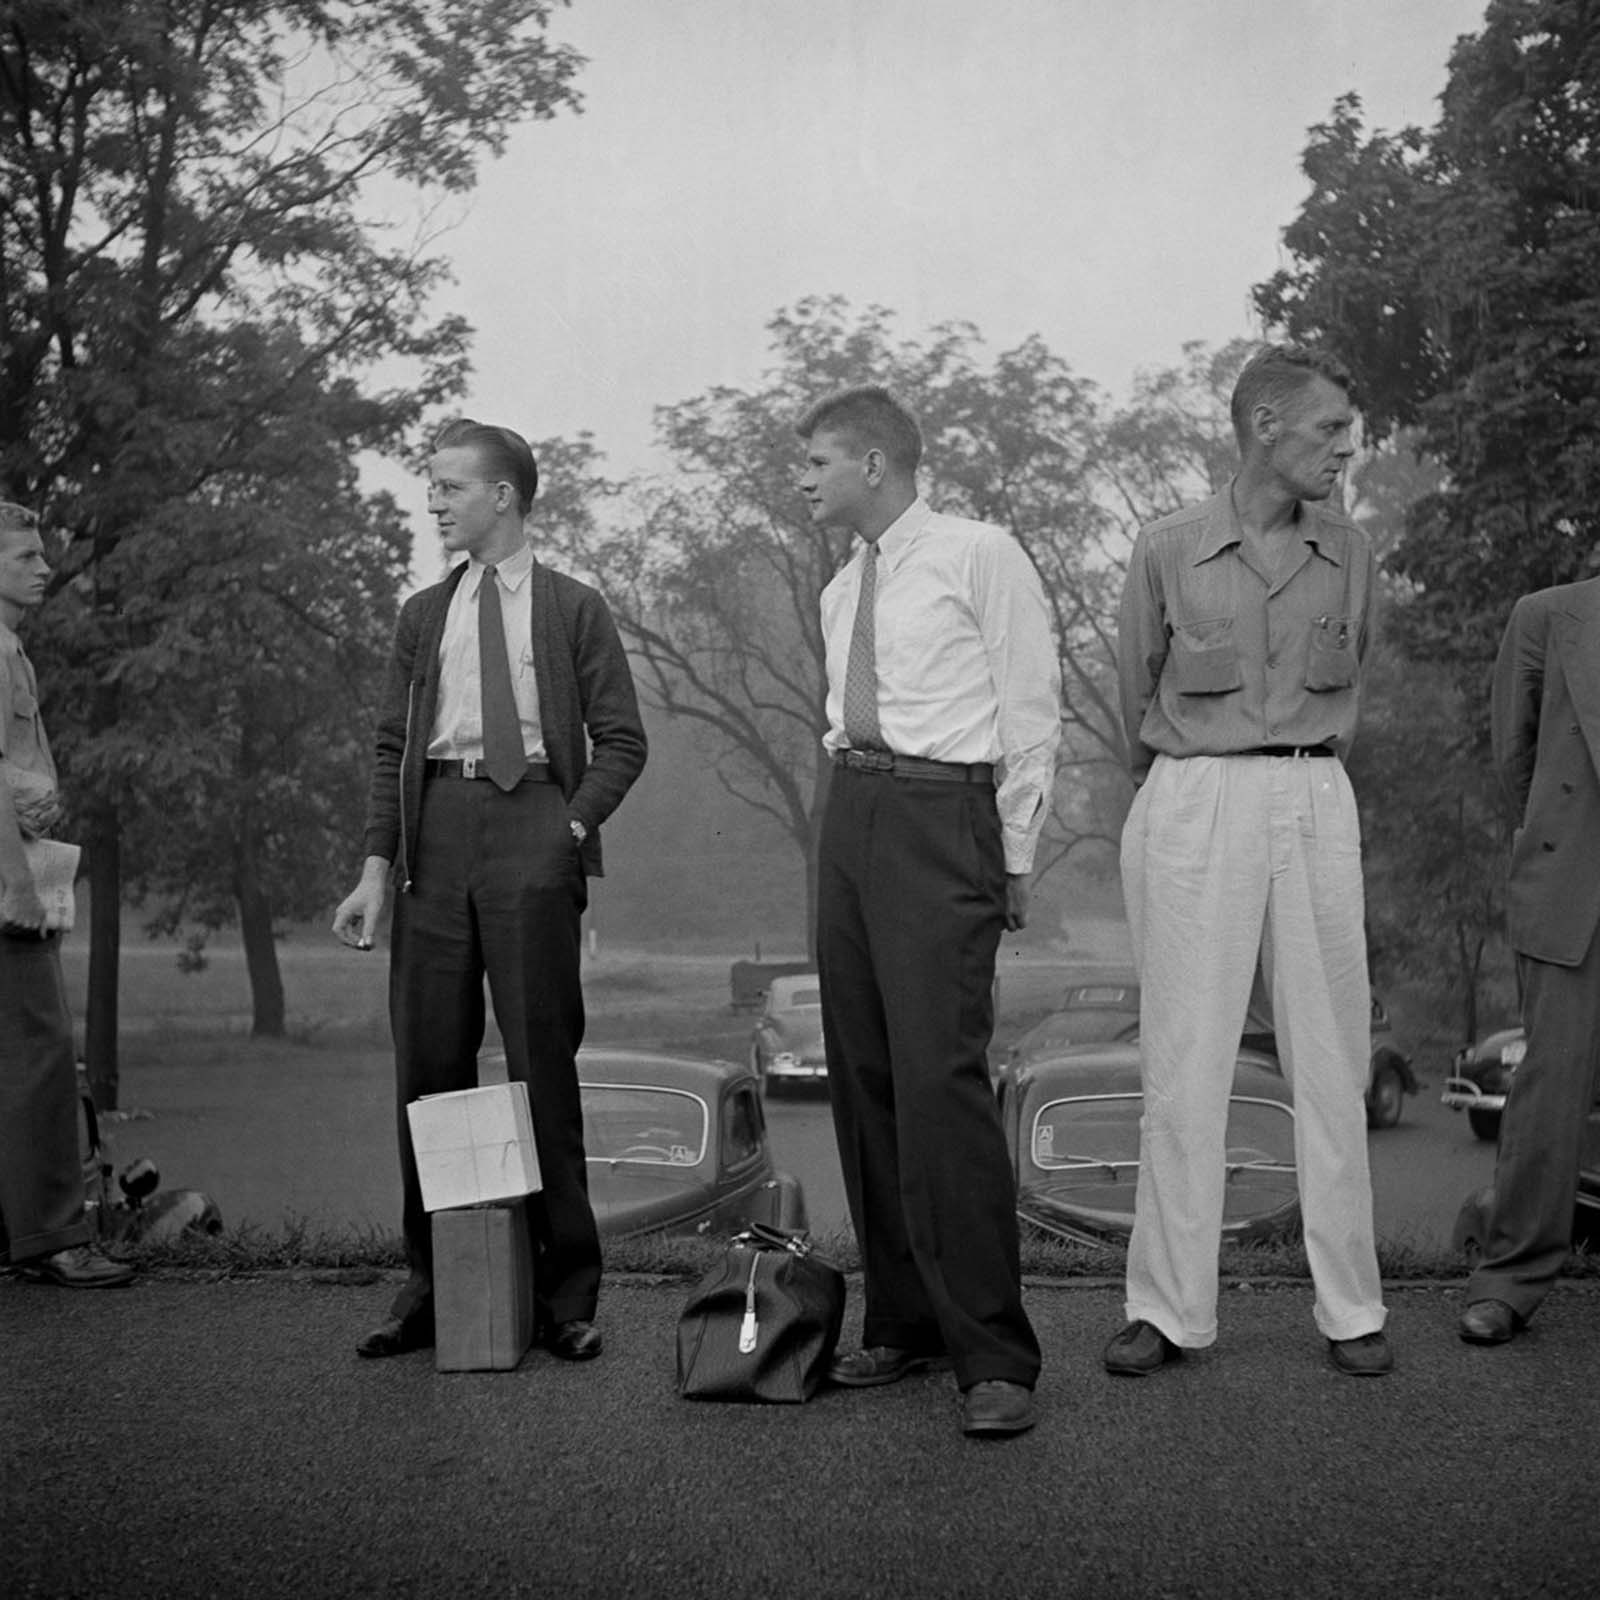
457, 733
1213, 658
967, 669
22, 740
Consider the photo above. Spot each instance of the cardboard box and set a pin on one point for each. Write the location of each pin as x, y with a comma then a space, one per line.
482, 1288
474, 1146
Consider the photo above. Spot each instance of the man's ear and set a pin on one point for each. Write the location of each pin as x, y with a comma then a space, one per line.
875, 464
1265, 423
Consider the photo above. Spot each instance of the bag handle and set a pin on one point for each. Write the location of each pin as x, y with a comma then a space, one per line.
763, 1236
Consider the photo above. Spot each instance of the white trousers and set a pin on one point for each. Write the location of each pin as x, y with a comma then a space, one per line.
1224, 859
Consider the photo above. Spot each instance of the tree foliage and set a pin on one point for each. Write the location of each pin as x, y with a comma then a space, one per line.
715, 573
198, 294
1458, 272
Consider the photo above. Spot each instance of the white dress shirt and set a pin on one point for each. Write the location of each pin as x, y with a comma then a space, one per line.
967, 668
457, 733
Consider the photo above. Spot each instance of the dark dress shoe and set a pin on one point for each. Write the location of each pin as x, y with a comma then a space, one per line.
1139, 1349
394, 1338
1490, 1322
1368, 1356
80, 1267
997, 1409
883, 1363
574, 1341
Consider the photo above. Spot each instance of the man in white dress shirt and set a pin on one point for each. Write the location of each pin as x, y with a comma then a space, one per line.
943, 722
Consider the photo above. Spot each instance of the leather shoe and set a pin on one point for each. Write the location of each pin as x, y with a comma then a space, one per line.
1139, 1349
1490, 1322
996, 1408
80, 1267
394, 1338
882, 1363
573, 1341
1368, 1356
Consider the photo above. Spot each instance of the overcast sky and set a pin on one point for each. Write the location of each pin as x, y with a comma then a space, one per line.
1112, 175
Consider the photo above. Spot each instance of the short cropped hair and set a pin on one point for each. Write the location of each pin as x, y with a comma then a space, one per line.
1275, 374
870, 418
16, 519
505, 455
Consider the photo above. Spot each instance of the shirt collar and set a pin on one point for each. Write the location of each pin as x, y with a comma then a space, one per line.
1223, 529
10, 640
901, 534
512, 571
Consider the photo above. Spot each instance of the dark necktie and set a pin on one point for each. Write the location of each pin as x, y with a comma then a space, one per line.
503, 756
861, 675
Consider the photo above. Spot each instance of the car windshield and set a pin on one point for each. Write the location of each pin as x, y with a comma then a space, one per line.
1103, 1131
658, 1127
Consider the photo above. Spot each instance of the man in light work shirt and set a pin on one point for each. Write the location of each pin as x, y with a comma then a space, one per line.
43, 1228
943, 722
486, 805
1243, 625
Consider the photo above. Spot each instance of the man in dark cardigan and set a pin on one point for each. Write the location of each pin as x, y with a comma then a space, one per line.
485, 809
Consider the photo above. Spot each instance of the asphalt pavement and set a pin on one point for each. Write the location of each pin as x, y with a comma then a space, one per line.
191, 1438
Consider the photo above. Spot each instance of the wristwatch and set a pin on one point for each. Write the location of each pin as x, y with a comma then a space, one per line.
579, 832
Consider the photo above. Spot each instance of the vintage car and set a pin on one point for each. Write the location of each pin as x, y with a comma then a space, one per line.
1480, 1078
1472, 1220
678, 1144
1107, 1008
1071, 1119
787, 1044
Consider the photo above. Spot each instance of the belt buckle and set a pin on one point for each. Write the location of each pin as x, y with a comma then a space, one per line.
875, 760
469, 767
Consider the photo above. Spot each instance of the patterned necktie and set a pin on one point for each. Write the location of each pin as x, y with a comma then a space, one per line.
861, 675
503, 756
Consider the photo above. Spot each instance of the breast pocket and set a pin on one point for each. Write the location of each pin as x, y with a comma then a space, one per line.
1331, 659
1205, 657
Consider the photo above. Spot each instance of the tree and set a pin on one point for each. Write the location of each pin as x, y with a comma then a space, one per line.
189, 288
715, 575
1457, 271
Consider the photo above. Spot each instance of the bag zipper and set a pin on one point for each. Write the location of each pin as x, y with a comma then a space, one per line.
747, 1329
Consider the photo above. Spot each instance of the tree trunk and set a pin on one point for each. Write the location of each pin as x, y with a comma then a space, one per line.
105, 954
260, 948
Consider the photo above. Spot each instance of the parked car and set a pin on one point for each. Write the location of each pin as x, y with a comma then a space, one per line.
1107, 1008
1472, 1220
787, 1044
679, 1144
1480, 1078
1071, 1119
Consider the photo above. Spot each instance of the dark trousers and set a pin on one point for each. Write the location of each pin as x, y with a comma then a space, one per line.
497, 890
41, 1171
1541, 1134
910, 909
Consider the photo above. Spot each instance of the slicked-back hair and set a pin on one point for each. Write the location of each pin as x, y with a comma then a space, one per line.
1274, 375
869, 417
505, 455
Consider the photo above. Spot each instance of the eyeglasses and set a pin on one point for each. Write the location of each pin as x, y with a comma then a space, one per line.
454, 488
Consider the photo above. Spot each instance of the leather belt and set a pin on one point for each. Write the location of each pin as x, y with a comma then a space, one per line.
885, 763
536, 772
1315, 751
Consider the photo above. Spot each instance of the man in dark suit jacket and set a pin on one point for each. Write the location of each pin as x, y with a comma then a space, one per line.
1546, 729
485, 808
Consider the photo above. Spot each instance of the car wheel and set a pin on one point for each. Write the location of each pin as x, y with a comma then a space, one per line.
1386, 1096
1486, 1124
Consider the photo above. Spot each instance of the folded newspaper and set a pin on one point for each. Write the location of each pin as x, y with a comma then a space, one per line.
54, 866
